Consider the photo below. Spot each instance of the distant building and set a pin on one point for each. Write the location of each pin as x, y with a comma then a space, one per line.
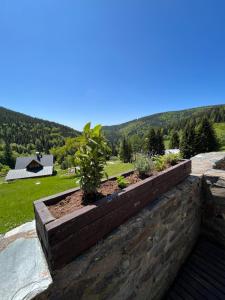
32, 166
174, 151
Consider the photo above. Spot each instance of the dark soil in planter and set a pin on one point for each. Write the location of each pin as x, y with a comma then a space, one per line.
76, 201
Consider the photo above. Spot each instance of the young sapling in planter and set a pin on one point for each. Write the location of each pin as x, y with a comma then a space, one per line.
90, 160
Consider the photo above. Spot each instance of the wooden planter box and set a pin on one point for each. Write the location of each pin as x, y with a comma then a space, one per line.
67, 237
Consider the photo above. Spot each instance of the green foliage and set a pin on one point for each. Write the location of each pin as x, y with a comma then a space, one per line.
174, 140
7, 156
136, 143
65, 155
90, 159
27, 135
122, 182
143, 165
188, 141
220, 133
4, 169
206, 140
152, 142
155, 143
169, 121
198, 139
125, 152
160, 147
159, 163
171, 159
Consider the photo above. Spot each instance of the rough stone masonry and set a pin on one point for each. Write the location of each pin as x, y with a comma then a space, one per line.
138, 260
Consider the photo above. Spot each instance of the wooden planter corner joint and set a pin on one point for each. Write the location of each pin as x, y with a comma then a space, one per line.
67, 237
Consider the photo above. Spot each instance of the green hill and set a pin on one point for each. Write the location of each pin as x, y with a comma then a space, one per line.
27, 134
166, 120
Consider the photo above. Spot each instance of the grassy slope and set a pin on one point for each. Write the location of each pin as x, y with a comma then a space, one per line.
220, 132
16, 198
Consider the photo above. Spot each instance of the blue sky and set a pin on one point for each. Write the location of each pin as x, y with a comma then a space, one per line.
110, 61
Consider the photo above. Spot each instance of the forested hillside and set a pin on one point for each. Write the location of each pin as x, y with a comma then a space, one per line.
23, 135
175, 120
27, 134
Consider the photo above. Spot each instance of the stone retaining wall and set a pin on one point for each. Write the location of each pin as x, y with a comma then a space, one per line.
140, 259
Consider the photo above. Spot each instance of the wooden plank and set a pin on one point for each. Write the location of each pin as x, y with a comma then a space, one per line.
205, 281
212, 267
42, 217
173, 296
182, 292
209, 276
214, 248
211, 254
196, 289
191, 285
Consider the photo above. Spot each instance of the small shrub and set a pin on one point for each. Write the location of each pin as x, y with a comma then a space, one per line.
143, 165
4, 169
159, 163
171, 159
122, 182
90, 159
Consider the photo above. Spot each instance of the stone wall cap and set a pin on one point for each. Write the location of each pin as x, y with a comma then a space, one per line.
24, 272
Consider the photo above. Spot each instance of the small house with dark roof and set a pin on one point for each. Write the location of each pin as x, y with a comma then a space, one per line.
32, 166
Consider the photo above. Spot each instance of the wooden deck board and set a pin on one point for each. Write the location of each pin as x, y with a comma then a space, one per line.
202, 276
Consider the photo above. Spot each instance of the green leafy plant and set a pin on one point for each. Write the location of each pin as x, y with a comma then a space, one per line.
171, 159
143, 165
122, 182
4, 169
159, 163
90, 159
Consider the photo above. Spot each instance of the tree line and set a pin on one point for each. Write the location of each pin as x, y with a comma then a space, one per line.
193, 139
27, 135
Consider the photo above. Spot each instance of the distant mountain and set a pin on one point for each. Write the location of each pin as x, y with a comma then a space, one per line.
165, 120
28, 134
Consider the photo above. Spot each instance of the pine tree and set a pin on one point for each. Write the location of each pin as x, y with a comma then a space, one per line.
188, 141
160, 147
152, 142
174, 140
125, 152
7, 155
206, 140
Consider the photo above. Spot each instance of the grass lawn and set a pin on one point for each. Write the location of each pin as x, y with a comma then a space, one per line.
16, 198
220, 132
